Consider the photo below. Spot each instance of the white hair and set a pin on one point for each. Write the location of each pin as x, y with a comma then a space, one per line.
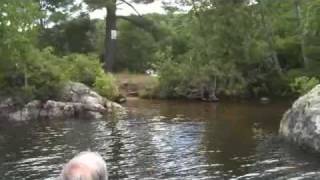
85, 166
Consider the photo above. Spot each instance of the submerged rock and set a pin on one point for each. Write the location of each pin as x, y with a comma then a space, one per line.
77, 101
301, 123
6, 103
264, 100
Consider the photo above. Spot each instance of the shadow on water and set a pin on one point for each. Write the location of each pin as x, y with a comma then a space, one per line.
162, 140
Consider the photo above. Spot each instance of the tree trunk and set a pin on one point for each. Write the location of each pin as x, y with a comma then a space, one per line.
110, 41
306, 60
42, 19
269, 37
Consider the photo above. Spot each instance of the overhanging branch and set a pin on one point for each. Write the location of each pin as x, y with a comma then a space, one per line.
143, 23
132, 7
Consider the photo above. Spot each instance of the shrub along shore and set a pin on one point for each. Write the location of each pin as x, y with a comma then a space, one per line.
217, 49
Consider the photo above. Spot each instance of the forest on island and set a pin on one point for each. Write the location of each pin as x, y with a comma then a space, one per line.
233, 48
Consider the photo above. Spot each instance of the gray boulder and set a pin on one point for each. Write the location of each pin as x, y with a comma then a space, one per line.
6, 103
301, 123
29, 111
77, 100
78, 92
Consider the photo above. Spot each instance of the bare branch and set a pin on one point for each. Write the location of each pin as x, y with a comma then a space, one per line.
132, 7
119, 3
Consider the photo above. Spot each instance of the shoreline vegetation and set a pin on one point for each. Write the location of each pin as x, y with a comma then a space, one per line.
146, 86
214, 51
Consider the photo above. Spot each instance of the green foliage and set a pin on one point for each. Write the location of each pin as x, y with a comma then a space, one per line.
55, 11
44, 74
272, 38
226, 47
105, 85
135, 48
17, 28
311, 30
37, 76
303, 84
28, 73
151, 89
98, 4
82, 68
25, 72
77, 35
88, 70
214, 60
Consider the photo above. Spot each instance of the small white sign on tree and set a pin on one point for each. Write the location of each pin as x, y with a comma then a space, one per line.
114, 34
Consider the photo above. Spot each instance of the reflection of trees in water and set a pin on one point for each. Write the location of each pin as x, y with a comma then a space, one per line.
166, 149
228, 140
151, 142
231, 131
192, 110
131, 150
115, 151
235, 133
28, 148
275, 158
177, 146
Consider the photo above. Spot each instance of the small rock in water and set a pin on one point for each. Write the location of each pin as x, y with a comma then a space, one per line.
264, 100
121, 99
158, 118
178, 118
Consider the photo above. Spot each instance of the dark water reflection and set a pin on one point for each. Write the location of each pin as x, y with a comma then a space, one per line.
162, 140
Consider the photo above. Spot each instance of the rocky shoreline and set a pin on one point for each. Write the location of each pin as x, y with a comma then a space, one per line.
77, 101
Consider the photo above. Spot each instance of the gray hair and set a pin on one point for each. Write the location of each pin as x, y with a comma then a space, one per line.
85, 166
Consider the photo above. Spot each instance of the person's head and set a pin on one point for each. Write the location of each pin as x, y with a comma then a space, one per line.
85, 166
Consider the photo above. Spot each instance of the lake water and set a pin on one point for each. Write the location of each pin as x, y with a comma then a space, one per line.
175, 140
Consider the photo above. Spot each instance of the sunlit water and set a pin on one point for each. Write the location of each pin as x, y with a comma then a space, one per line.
175, 140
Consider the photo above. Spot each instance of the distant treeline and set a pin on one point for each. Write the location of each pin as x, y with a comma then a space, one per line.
233, 48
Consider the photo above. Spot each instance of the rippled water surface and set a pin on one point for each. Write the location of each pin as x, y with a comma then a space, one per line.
175, 140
